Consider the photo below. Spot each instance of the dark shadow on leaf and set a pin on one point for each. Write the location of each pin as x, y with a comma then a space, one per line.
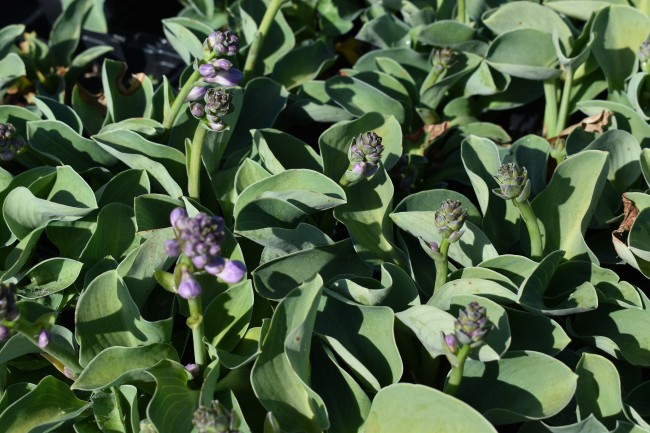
347, 334
486, 394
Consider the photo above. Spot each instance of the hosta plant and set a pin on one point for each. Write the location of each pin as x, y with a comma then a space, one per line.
346, 217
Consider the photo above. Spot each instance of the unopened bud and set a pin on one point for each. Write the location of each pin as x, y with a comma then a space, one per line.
449, 220
452, 343
513, 183
364, 155
197, 110
472, 325
196, 94
233, 272
188, 288
44, 338
223, 43
193, 369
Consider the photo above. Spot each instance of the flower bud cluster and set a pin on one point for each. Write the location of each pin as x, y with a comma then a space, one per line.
513, 183
221, 72
472, 325
443, 59
215, 71
10, 143
222, 43
217, 104
364, 156
470, 329
215, 419
449, 220
199, 239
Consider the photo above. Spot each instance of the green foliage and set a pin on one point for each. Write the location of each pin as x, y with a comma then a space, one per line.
325, 307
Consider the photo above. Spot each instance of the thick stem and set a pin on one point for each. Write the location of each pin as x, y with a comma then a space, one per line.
168, 121
194, 162
461, 11
564, 102
442, 265
456, 375
195, 322
258, 41
526, 210
65, 358
550, 110
344, 181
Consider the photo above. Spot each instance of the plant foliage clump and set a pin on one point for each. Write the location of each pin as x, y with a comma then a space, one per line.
339, 216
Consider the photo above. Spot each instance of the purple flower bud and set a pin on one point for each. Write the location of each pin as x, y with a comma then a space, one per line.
69, 373
224, 64
226, 78
215, 38
452, 343
434, 247
188, 288
193, 369
215, 266
233, 272
172, 248
199, 261
197, 109
513, 182
44, 338
449, 219
175, 215
223, 43
207, 70
197, 93
472, 325
5, 333
359, 168
364, 154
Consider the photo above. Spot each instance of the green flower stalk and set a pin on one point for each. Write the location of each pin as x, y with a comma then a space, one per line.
462, 15
441, 60
215, 419
449, 220
470, 330
198, 241
514, 185
258, 40
563, 110
217, 103
364, 155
